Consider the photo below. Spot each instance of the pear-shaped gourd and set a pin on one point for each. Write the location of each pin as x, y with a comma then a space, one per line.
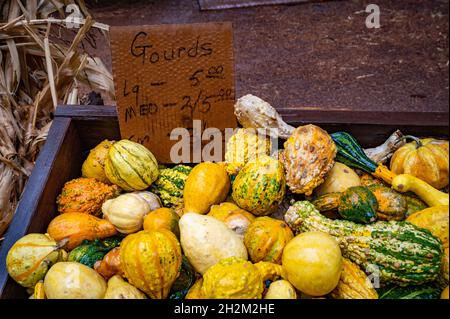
120, 289
208, 184
151, 261
206, 240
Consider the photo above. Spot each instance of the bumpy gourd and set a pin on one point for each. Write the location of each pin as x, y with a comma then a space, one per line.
126, 212
76, 227
260, 186
237, 219
266, 238
358, 204
426, 159
94, 165
29, 259
404, 253
353, 284
244, 145
131, 166
85, 195
151, 261
425, 291
207, 184
170, 184
308, 156
391, 205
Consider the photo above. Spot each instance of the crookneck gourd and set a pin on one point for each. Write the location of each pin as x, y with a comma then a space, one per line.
401, 252
307, 157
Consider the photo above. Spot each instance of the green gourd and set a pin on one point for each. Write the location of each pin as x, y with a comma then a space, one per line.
426, 291
170, 184
88, 252
401, 252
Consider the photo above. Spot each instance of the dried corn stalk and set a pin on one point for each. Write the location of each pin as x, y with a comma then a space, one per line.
37, 72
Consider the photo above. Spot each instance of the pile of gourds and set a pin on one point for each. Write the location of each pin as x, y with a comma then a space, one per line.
318, 219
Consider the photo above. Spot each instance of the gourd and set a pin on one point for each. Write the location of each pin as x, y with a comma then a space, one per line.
234, 278
170, 184
281, 289
391, 205
29, 259
89, 252
350, 153
413, 204
195, 292
207, 184
120, 289
206, 240
358, 204
39, 291
353, 284
444, 294
266, 238
131, 166
426, 159
338, 180
94, 165
260, 186
307, 157
72, 280
425, 291
430, 195
184, 281
85, 195
404, 253
76, 227
162, 218
126, 212
151, 261
110, 264
152, 199
237, 219
244, 145
312, 262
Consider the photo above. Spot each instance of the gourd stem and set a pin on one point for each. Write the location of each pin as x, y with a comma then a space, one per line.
384, 173
417, 140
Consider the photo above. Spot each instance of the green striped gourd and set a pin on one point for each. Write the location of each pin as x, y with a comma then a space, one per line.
426, 291
403, 253
130, 166
260, 186
170, 184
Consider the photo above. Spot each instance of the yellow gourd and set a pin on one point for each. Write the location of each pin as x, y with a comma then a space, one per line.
312, 262
430, 195
338, 180
162, 218
94, 165
281, 289
72, 280
195, 292
444, 294
120, 289
151, 261
208, 184
233, 216
39, 291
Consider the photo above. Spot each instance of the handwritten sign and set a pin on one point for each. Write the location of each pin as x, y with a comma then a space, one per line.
167, 76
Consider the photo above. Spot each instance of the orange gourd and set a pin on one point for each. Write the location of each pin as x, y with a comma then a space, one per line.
162, 218
110, 264
426, 159
151, 261
76, 227
266, 238
233, 216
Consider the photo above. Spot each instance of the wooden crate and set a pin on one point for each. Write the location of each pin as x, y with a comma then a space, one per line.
76, 129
